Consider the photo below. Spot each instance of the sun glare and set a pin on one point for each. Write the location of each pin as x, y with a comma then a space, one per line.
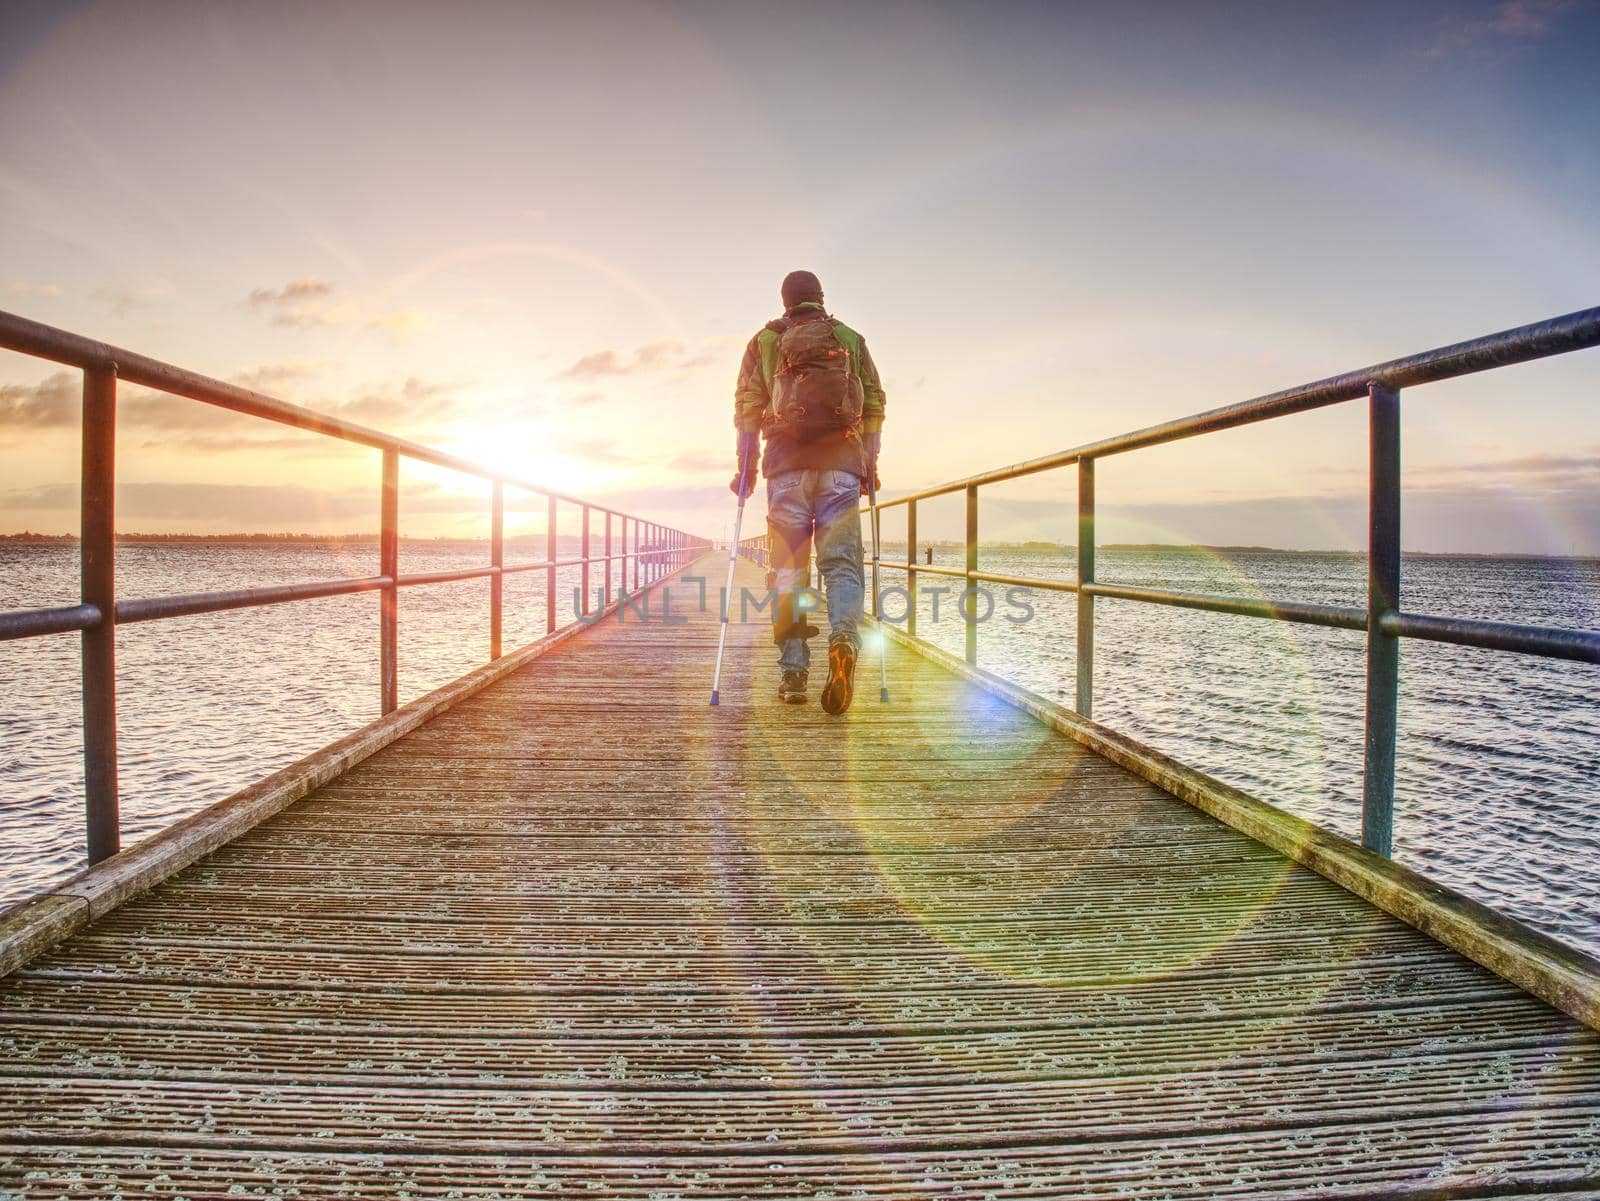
517, 453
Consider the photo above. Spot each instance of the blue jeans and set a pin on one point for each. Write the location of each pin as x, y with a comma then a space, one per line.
823, 504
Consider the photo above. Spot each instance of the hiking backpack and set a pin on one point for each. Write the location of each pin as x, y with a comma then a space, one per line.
815, 389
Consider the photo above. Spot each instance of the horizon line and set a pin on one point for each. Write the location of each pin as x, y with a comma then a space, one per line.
284, 538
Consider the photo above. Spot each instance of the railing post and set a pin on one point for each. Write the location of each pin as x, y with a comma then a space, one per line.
911, 567
583, 587
1085, 671
605, 592
1383, 596
550, 572
970, 596
389, 596
497, 559
877, 552
98, 587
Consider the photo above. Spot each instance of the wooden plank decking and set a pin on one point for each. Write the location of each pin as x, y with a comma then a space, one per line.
584, 935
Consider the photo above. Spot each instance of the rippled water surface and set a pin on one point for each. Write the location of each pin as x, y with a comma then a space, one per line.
208, 704
1499, 772
1498, 779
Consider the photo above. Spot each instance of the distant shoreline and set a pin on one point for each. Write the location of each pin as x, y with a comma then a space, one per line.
31, 539
28, 538
1067, 548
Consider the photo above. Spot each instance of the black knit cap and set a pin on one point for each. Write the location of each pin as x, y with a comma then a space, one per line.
799, 287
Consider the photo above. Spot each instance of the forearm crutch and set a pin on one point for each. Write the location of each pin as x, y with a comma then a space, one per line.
883, 638
727, 591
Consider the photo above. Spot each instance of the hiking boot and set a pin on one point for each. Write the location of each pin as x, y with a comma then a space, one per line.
836, 693
792, 688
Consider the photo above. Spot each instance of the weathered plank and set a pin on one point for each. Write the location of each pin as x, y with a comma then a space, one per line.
583, 933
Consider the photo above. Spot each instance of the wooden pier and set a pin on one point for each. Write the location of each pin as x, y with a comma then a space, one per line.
582, 934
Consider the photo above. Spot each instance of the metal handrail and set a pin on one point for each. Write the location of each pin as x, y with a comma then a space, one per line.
755, 549
657, 549
1381, 618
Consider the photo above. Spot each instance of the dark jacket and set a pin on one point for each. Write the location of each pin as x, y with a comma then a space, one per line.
838, 451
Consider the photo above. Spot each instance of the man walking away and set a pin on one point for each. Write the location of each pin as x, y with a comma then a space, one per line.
808, 385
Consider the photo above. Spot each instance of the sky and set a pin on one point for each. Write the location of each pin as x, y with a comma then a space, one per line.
540, 235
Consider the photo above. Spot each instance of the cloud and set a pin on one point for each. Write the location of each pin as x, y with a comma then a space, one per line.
306, 316
584, 399
297, 291
257, 506
414, 401
602, 362
1525, 470
655, 354
1461, 519
1534, 469
1477, 520
44, 291
303, 445
666, 499
1524, 18
402, 323
1513, 23
272, 376
279, 506
171, 421
214, 428
53, 403
308, 303
408, 409
122, 300
41, 497
665, 354
148, 410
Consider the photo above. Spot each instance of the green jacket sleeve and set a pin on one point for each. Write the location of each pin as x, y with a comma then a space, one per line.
872, 399
751, 393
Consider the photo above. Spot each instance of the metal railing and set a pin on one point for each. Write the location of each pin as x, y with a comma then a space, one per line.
656, 549
756, 549
1384, 622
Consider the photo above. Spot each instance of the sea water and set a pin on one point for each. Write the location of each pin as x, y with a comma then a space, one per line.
1498, 779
